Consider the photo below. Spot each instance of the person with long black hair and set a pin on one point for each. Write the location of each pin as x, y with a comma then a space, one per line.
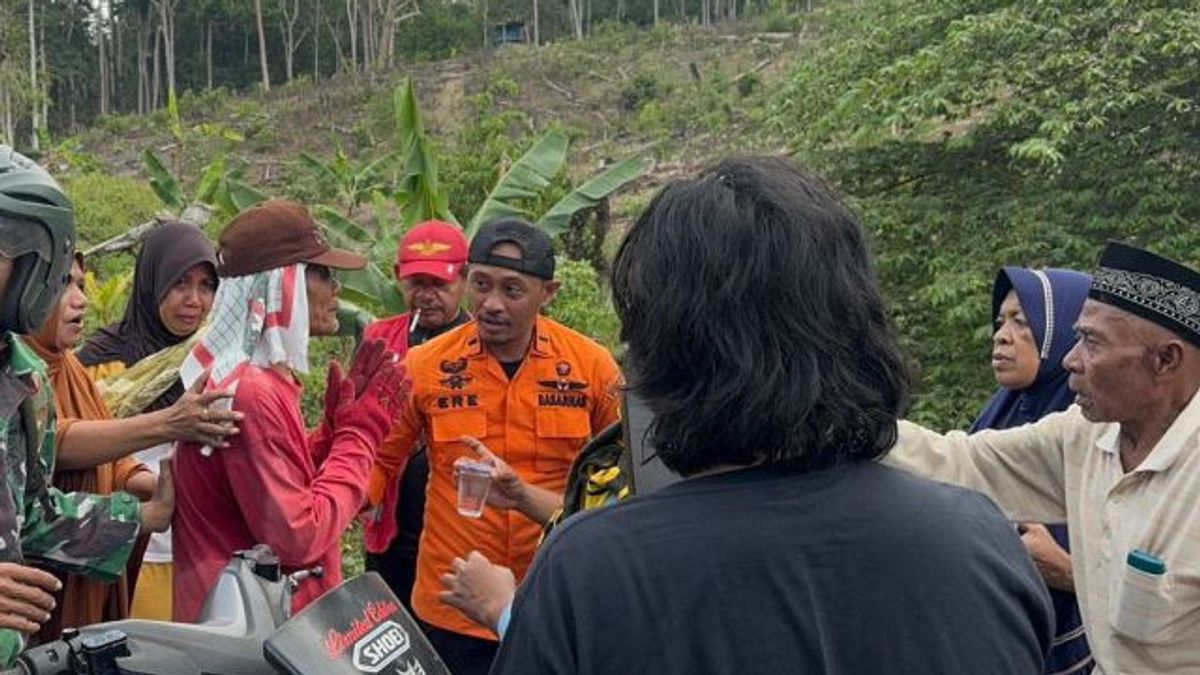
759, 339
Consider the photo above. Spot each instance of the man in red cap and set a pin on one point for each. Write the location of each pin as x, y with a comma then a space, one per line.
431, 274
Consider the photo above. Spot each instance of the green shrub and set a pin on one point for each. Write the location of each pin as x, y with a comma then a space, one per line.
748, 84
582, 305
117, 124
779, 21
639, 91
106, 206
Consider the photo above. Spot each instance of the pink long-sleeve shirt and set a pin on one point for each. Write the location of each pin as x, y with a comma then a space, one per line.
274, 485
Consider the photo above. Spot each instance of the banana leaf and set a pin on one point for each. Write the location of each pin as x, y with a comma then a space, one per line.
418, 194
210, 182
162, 182
523, 180
369, 288
591, 193
320, 170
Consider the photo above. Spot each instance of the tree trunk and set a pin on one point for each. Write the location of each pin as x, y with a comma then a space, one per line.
387, 34
45, 70
575, 9
143, 101
368, 35
317, 44
290, 9
103, 62
156, 83
166, 10
33, 88
655, 12
537, 40
262, 46
337, 46
9, 136
352, 20
208, 58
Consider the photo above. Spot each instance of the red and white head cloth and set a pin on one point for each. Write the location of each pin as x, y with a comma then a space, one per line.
259, 319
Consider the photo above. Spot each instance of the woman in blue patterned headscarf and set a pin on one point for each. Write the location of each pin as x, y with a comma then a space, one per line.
1035, 313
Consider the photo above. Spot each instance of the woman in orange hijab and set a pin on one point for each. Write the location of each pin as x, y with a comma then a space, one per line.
81, 467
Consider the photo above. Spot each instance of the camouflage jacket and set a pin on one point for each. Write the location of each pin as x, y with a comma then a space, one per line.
76, 532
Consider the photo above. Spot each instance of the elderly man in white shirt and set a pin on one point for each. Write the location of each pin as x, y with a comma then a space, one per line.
1121, 467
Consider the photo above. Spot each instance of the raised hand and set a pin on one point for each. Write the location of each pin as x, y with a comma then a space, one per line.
156, 513
478, 588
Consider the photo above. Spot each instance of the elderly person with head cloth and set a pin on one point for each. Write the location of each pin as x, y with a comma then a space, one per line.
276, 483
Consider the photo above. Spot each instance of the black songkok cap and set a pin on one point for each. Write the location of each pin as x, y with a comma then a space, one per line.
1150, 286
537, 251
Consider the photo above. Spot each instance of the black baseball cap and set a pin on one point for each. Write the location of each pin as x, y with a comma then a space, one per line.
537, 251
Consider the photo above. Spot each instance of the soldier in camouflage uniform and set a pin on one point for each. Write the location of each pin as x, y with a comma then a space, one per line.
79, 533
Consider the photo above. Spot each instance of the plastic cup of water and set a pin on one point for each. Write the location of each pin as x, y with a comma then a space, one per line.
474, 482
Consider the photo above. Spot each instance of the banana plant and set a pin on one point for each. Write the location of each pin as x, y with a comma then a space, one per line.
418, 196
355, 183
589, 195
419, 193
220, 187
525, 179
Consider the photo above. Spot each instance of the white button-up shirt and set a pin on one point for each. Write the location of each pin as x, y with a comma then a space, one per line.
1067, 469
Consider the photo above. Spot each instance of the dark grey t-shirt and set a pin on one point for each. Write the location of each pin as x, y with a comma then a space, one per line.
853, 571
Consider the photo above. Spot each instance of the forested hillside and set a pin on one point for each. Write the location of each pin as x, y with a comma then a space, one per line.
969, 133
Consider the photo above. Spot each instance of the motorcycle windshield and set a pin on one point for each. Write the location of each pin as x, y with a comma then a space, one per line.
358, 627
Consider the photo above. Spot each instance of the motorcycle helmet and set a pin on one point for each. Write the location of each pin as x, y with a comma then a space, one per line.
37, 232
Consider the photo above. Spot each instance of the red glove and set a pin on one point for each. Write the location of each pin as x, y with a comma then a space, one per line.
373, 413
370, 356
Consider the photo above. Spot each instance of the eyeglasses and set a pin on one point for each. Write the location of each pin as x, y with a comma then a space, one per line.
323, 273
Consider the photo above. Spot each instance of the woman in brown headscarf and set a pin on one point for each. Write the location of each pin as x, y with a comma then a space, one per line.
94, 450
174, 282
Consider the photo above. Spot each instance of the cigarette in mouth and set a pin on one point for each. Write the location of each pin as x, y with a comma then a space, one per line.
413, 324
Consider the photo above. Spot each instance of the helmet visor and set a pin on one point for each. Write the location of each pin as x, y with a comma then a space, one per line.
19, 236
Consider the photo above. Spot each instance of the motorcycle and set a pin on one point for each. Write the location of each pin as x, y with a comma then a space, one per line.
246, 628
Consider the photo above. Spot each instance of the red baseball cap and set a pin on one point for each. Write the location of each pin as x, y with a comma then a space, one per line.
433, 247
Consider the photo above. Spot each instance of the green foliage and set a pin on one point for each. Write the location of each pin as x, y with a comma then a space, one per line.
351, 183
106, 206
748, 84
69, 156
582, 304
978, 133
106, 299
221, 187
639, 91
163, 182
419, 192
590, 194
523, 180
441, 30
474, 159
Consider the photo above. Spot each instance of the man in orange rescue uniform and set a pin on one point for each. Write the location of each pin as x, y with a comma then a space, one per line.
532, 390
